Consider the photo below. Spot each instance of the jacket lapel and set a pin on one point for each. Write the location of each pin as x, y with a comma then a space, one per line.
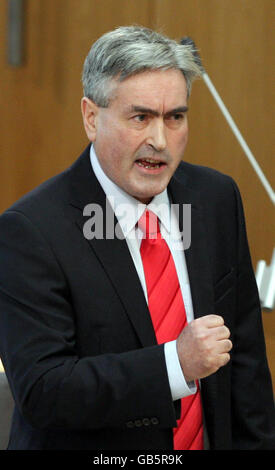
200, 278
113, 253
197, 259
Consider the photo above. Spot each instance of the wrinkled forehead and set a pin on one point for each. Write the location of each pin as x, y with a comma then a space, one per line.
156, 89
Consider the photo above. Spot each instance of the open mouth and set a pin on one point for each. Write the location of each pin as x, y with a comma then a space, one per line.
149, 163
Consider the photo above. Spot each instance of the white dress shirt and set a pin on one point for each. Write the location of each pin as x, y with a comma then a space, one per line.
128, 210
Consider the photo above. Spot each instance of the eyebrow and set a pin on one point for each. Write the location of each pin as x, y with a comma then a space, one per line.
141, 109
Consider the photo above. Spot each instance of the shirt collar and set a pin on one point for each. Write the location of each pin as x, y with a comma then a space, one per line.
127, 209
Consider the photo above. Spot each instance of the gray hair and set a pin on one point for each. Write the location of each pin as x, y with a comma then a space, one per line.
129, 50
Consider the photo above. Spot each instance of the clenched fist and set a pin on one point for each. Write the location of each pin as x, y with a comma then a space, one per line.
203, 347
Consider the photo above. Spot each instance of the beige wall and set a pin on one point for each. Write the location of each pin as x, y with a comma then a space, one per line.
41, 129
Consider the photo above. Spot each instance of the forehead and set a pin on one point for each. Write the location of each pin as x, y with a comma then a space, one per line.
159, 89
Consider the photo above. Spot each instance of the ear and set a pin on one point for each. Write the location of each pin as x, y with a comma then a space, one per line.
89, 113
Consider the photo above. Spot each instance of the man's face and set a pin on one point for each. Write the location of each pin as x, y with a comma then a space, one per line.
146, 119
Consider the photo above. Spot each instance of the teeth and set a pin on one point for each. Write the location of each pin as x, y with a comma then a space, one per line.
149, 160
147, 166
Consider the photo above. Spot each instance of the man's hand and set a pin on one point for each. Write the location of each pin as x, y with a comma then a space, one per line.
203, 347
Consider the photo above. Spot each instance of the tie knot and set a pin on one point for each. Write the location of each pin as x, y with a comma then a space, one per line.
149, 224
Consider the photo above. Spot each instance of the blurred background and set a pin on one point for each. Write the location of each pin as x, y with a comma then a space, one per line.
41, 129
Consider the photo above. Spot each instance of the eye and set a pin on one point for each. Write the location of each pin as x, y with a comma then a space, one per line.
175, 120
140, 117
177, 116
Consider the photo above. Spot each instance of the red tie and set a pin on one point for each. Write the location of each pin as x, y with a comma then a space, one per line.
169, 318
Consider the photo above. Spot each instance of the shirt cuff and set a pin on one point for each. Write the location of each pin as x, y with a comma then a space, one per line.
178, 385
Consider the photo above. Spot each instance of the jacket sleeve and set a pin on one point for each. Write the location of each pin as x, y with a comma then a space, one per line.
253, 417
52, 386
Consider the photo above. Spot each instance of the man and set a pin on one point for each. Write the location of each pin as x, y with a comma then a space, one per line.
129, 341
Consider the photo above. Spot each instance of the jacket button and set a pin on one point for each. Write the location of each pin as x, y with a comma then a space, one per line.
146, 421
130, 424
154, 420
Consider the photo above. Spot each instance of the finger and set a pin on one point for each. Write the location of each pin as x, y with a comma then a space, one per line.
224, 346
224, 359
222, 332
214, 321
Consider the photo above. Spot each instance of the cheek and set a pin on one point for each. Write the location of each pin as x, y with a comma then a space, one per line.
185, 139
125, 145
183, 136
107, 143
178, 143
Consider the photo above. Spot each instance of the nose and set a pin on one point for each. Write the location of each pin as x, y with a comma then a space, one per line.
156, 135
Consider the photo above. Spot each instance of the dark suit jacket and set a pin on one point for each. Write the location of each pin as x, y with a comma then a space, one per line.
76, 336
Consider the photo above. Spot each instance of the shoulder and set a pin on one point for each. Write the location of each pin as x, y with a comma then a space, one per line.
43, 195
200, 176
210, 183
51, 196
217, 193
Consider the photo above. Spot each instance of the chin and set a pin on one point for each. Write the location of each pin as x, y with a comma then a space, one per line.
147, 198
